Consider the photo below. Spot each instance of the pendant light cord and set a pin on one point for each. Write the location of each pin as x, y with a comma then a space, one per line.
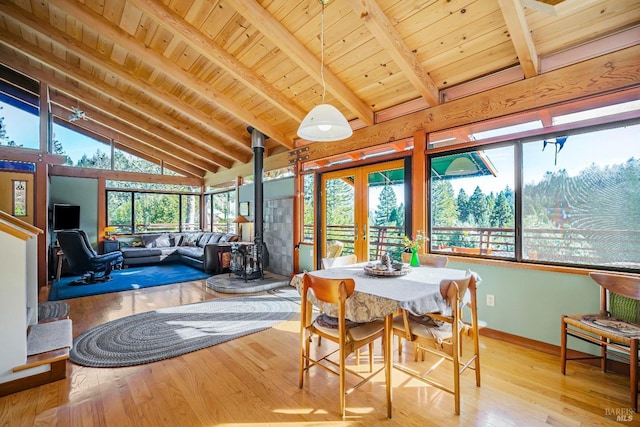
324, 89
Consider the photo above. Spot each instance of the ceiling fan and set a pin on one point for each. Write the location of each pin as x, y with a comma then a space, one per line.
77, 114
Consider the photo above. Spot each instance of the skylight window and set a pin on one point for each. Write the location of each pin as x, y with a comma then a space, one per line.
508, 130
595, 113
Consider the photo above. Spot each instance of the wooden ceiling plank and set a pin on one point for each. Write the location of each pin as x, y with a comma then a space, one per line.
80, 49
385, 33
280, 36
604, 74
514, 17
58, 80
219, 56
159, 62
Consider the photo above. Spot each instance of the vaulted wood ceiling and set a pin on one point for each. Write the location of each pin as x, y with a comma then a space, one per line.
180, 80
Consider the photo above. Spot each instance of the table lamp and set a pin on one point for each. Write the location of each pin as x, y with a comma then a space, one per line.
241, 219
108, 231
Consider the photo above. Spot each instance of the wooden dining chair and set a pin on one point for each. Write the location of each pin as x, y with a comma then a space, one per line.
430, 260
339, 261
433, 333
349, 336
616, 327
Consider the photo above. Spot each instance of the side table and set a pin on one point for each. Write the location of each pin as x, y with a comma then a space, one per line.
110, 246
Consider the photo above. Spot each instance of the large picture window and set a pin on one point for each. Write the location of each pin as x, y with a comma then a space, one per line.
134, 212
472, 202
221, 211
578, 204
581, 199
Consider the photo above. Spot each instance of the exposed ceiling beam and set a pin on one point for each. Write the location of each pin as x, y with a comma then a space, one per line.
285, 41
238, 151
214, 53
135, 139
607, 73
141, 52
181, 149
385, 33
124, 176
515, 19
34, 156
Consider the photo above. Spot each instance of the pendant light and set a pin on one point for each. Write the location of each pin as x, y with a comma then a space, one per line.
324, 122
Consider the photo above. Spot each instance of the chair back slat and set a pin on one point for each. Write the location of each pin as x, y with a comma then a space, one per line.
328, 289
625, 285
340, 261
623, 300
429, 260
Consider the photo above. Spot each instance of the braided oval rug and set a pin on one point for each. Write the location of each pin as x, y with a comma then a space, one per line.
170, 332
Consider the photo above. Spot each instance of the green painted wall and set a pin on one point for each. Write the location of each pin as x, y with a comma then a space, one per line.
82, 192
529, 303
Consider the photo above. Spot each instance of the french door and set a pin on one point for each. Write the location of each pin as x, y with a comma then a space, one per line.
362, 209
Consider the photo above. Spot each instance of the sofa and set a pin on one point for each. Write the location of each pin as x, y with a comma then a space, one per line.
203, 250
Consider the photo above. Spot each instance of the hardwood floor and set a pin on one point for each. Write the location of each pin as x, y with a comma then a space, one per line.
254, 381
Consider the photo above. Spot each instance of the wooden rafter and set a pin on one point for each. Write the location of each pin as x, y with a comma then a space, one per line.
385, 33
129, 43
514, 17
135, 139
278, 34
214, 53
159, 94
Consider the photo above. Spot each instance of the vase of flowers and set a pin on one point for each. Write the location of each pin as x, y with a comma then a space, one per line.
414, 245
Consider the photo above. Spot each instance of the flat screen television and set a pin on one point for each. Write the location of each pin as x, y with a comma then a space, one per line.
65, 217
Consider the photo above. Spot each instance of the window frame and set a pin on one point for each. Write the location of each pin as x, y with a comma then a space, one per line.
518, 144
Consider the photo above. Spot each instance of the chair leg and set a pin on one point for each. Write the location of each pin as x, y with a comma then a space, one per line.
633, 373
563, 345
343, 396
603, 355
399, 346
371, 357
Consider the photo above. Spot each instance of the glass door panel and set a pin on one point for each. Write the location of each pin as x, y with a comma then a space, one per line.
339, 224
363, 211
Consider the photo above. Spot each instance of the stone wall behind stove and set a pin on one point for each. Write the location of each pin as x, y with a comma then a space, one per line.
278, 229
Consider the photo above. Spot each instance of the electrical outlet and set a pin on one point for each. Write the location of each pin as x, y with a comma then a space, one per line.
490, 300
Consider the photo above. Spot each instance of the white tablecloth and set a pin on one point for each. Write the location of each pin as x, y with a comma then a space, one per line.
375, 297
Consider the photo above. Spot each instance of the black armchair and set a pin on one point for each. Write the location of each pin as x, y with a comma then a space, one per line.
84, 260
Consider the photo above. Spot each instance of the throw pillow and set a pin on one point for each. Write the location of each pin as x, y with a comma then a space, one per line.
190, 239
162, 241
148, 240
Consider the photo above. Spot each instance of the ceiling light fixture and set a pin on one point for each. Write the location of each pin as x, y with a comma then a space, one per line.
324, 122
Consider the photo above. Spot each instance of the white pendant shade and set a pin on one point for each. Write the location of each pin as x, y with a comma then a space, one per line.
324, 123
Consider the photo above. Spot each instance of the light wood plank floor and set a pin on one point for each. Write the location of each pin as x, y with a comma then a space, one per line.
254, 381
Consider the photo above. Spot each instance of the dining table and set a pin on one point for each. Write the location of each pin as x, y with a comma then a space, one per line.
380, 294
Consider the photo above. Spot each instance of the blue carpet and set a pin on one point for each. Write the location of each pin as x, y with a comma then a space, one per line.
127, 279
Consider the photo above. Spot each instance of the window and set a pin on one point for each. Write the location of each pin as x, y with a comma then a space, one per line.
19, 114
472, 202
578, 204
308, 228
82, 151
581, 198
220, 211
19, 198
128, 162
133, 212
190, 216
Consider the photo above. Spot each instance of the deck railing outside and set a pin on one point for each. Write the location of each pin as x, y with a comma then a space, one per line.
617, 248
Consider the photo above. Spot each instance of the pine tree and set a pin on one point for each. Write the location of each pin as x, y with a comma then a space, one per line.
385, 213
